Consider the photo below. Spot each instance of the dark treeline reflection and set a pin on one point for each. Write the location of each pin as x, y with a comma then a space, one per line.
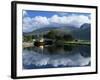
52, 56
54, 49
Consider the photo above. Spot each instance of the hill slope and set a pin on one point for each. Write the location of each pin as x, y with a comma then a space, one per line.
83, 33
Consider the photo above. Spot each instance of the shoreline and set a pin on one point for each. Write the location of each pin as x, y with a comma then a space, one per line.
30, 44
27, 44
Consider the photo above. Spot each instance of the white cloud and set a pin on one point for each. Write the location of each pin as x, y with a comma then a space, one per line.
27, 24
54, 19
63, 13
39, 20
24, 13
39, 59
30, 24
78, 20
59, 20
27, 19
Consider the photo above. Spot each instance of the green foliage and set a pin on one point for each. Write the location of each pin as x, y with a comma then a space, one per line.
68, 37
28, 38
58, 35
51, 34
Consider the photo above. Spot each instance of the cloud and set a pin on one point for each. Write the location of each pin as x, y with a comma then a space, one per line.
56, 60
30, 24
27, 24
77, 20
24, 13
36, 22
63, 13
39, 20
57, 19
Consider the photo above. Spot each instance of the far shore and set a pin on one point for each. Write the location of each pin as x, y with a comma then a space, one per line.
27, 44
78, 43
30, 44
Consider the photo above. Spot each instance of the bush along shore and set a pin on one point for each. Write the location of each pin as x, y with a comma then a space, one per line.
58, 42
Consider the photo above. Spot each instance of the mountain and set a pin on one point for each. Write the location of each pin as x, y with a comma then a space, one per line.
65, 29
85, 26
40, 30
69, 27
83, 33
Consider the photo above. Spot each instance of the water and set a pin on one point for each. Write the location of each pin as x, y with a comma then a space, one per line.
56, 56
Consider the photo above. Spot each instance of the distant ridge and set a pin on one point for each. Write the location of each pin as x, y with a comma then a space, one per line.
84, 32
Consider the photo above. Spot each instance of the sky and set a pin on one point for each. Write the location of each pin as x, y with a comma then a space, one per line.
33, 20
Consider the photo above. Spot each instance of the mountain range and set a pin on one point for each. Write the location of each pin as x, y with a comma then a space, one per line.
83, 32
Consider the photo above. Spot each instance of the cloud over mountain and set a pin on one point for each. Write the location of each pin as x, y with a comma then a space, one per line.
36, 22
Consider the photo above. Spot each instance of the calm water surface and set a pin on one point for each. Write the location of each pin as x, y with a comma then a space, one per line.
56, 56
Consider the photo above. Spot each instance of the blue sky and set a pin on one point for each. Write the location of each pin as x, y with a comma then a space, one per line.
48, 14
33, 20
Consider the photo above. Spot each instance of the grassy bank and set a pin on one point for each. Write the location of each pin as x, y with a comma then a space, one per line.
80, 42
77, 43
27, 44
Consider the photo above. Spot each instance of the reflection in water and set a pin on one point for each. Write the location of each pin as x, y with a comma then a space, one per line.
56, 56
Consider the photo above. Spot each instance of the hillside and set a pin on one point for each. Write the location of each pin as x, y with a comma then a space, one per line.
83, 33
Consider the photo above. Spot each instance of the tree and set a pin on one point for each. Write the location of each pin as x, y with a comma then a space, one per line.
28, 38
51, 34
58, 35
68, 37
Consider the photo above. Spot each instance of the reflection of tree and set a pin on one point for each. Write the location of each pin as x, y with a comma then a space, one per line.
55, 49
68, 47
29, 48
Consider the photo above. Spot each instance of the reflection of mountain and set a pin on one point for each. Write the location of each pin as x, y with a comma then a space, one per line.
78, 33
44, 58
